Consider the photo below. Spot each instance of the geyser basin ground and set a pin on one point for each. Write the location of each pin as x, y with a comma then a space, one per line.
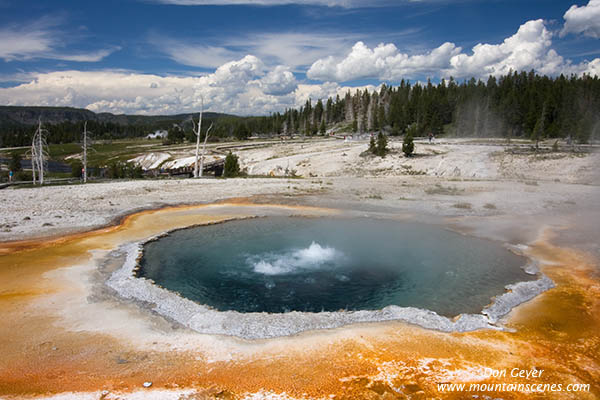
266, 263
63, 332
283, 264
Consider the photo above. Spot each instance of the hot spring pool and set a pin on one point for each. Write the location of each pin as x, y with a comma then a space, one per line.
282, 264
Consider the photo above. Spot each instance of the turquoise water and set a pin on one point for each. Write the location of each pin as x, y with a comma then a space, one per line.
282, 264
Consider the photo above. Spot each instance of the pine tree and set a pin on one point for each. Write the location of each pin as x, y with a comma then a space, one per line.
349, 107
242, 132
329, 110
373, 145
583, 130
408, 147
381, 145
381, 117
175, 134
232, 167
539, 128
538, 132
314, 128
322, 128
318, 111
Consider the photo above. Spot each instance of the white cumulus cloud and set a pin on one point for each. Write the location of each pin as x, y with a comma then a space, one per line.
429, 64
583, 20
279, 81
361, 62
529, 48
383, 62
243, 87
591, 68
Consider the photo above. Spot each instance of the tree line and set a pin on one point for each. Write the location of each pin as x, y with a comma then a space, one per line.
524, 105
519, 104
70, 132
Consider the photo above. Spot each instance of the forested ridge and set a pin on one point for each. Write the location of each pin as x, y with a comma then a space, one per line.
65, 124
519, 105
522, 105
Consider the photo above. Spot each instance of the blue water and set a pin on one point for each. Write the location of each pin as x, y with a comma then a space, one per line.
281, 264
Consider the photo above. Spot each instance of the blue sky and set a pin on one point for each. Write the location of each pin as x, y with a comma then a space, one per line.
169, 56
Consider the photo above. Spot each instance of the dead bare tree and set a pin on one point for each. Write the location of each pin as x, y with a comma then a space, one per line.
199, 167
84, 146
39, 154
204, 149
197, 129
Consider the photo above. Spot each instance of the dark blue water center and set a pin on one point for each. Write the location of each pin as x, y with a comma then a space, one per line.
281, 264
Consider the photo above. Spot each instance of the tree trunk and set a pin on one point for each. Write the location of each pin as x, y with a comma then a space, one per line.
85, 152
198, 173
40, 155
204, 150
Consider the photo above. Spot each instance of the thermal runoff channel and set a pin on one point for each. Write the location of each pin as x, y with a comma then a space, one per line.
282, 264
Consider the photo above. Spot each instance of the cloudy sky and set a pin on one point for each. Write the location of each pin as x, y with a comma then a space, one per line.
253, 57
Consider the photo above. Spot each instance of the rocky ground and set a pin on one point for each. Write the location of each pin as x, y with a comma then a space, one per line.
66, 335
454, 177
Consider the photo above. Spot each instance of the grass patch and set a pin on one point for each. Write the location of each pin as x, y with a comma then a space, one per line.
99, 152
64, 150
489, 206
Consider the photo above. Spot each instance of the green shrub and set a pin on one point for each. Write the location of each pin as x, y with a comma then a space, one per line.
381, 145
408, 146
373, 145
119, 170
76, 167
232, 167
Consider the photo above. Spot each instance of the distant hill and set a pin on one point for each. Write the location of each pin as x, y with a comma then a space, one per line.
21, 116
65, 124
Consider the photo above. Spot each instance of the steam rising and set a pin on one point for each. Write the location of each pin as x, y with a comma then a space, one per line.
312, 257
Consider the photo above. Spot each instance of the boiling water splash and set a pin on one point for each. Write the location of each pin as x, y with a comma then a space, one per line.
312, 257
